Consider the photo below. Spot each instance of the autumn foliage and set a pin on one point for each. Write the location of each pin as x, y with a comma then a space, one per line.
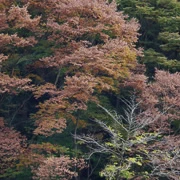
142, 136
159, 98
58, 58
58, 167
95, 46
12, 146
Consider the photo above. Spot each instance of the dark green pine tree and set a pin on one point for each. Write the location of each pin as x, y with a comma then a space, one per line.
160, 27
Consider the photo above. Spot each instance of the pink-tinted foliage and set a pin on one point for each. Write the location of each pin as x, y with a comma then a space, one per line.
95, 44
159, 104
58, 168
76, 93
165, 157
160, 99
14, 17
163, 97
12, 146
14, 85
47, 161
20, 18
3, 21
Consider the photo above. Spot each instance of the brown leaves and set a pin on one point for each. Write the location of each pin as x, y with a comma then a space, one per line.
90, 39
46, 88
81, 20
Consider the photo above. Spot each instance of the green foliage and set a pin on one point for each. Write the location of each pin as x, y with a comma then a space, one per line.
154, 59
160, 26
20, 174
110, 172
133, 148
129, 162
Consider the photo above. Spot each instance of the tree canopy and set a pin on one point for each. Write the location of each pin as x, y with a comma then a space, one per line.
65, 65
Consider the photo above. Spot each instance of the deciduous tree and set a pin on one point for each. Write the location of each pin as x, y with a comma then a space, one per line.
95, 47
160, 95
12, 146
134, 152
58, 168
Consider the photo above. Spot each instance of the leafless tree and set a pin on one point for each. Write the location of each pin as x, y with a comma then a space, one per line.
131, 143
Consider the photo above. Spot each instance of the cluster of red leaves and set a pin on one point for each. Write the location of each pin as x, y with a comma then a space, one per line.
163, 97
20, 18
16, 41
159, 100
47, 161
3, 21
12, 146
16, 17
58, 167
14, 85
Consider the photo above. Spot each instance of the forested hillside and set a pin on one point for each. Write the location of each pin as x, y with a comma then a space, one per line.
89, 89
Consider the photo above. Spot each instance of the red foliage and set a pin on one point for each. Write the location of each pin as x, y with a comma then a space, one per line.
13, 85
3, 21
95, 44
12, 146
20, 18
58, 167
160, 99
14, 17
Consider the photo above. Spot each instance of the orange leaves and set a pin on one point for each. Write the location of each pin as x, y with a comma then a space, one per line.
49, 118
50, 125
43, 89
81, 84
46, 148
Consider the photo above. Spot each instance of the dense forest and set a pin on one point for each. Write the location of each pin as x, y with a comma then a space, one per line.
89, 89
